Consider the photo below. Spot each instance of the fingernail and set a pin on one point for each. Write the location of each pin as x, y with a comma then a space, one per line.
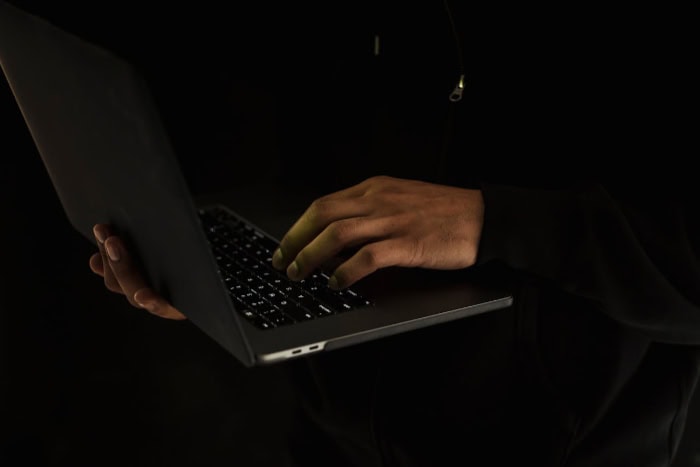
293, 270
333, 283
143, 302
98, 234
277, 259
112, 251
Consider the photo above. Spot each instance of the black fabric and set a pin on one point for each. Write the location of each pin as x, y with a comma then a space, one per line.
602, 242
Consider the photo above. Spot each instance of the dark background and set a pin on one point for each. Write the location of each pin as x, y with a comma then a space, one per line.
85, 379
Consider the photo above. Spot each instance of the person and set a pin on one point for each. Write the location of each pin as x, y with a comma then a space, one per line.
541, 152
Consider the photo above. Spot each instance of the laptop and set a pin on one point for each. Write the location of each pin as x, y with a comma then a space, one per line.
98, 132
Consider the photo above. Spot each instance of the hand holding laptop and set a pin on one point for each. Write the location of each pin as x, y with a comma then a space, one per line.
386, 221
121, 275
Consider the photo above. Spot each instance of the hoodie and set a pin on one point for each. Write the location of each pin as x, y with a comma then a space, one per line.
569, 119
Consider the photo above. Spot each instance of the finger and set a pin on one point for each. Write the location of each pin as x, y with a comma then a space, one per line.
315, 219
126, 274
152, 302
102, 232
124, 269
133, 283
96, 264
338, 236
368, 259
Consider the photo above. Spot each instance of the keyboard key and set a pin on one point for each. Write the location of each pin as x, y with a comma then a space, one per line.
294, 311
264, 296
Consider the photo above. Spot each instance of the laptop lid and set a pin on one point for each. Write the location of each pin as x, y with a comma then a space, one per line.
107, 154
94, 126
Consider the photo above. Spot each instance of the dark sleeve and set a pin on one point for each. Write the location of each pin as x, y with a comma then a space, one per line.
635, 252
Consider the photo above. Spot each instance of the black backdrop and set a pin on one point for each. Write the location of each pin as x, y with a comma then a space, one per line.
84, 378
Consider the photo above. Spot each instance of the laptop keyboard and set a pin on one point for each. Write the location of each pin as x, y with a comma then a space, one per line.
266, 297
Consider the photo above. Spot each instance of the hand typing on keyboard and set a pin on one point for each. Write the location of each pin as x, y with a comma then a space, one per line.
387, 222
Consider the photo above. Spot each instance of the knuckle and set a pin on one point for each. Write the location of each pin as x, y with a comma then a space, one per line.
377, 184
320, 209
341, 231
377, 178
369, 256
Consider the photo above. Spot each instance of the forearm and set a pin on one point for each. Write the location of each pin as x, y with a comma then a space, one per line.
636, 263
